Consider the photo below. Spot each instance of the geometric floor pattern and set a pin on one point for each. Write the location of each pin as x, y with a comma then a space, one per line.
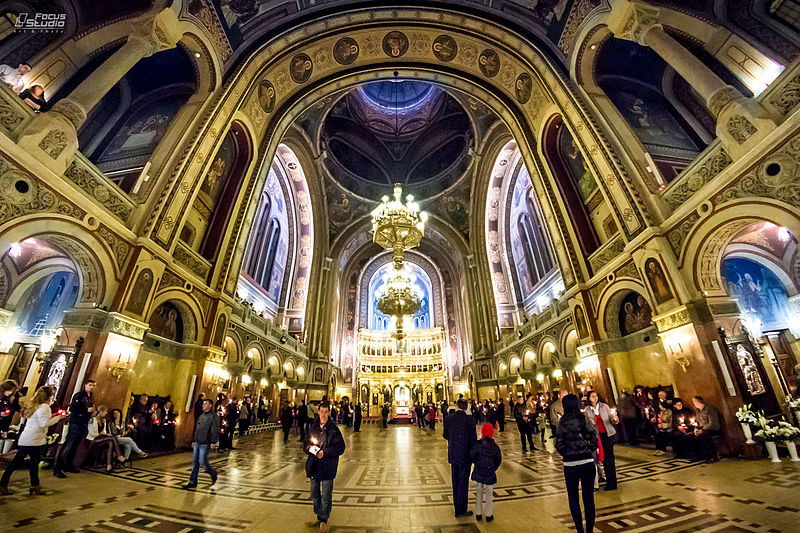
397, 480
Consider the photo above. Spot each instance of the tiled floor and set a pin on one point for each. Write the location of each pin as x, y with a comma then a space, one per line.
398, 480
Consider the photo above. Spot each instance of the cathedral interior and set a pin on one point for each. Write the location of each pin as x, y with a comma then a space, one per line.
227, 196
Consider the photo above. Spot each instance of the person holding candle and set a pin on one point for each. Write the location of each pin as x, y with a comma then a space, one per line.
501, 415
522, 417
576, 441
707, 425
80, 412
681, 414
324, 445
8, 406
32, 438
627, 414
600, 414
205, 437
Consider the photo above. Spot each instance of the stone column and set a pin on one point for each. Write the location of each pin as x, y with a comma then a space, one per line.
741, 122
52, 137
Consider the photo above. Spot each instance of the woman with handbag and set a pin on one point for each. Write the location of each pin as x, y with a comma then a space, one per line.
32, 438
576, 441
600, 414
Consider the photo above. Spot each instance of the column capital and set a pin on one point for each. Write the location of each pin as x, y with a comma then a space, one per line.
159, 33
632, 20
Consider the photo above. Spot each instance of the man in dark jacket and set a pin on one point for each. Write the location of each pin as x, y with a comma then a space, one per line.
357, 417
385, 415
302, 420
459, 431
287, 420
626, 409
198, 405
206, 435
501, 414
324, 446
80, 412
522, 417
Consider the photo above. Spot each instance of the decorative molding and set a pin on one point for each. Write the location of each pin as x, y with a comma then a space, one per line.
168, 279
205, 13
628, 270
53, 143
116, 243
72, 111
21, 194
580, 10
721, 98
673, 319
775, 177
192, 261
740, 128
98, 187
712, 162
677, 235
607, 253
787, 98
10, 117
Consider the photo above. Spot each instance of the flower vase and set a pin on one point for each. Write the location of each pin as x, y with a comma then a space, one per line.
792, 450
772, 450
748, 434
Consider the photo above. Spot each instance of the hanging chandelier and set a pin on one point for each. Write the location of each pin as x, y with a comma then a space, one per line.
397, 226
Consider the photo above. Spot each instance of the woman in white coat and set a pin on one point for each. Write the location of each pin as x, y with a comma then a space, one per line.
32, 438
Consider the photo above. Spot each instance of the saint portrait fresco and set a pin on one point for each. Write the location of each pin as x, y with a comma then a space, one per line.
345, 51
218, 173
658, 281
140, 292
576, 164
266, 96
395, 44
445, 48
166, 322
489, 63
523, 87
300, 68
635, 314
580, 323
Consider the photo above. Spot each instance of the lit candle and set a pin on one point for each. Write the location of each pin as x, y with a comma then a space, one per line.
682, 421
693, 421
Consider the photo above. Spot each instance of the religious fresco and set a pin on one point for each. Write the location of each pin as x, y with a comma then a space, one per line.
219, 172
143, 130
760, 293
635, 314
580, 323
648, 115
43, 304
140, 292
576, 164
658, 281
343, 208
166, 321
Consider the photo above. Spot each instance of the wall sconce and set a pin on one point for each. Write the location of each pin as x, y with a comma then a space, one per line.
246, 380
263, 382
680, 356
121, 367
540, 377
558, 373
218, 379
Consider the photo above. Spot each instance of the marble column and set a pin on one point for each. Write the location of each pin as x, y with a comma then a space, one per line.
741, 122
52, 137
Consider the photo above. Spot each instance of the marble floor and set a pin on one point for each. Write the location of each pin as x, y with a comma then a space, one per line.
397, 479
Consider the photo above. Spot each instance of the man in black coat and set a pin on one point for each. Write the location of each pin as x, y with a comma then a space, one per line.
357, 417
80, 412
198, 406
459, 430
324, 446
501, 414
522, 417
302, 420
287, 420
385, 415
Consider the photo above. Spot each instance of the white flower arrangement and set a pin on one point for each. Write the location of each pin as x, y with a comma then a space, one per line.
776, 432
793, 403
746, 416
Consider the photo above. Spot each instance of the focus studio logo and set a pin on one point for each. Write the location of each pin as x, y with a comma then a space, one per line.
50, 22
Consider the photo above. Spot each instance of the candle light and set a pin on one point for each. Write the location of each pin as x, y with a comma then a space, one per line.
693, 421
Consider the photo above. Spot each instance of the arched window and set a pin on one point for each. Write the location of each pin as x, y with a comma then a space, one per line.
267, 279
527, 253
259, 239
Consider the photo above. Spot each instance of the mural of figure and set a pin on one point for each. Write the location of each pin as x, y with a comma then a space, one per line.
140, 292
166, 322
484, 371
580, 323
635, 314
318, 375
760, 293
212, 182
658, 281
749, 370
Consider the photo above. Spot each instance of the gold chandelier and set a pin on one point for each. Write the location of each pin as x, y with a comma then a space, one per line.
397, 226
